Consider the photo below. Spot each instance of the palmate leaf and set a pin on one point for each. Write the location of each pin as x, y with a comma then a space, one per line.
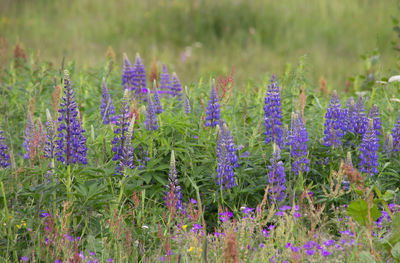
358, 210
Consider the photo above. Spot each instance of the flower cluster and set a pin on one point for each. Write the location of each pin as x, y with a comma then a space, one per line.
71, 143
226, 158
176, 88
127, 74
213, 108
374, 115
334, 123
298, 139
151, 118
165, 87
157, 102
396, 136
49, 145
368, 151
276, 177
106, 105
28, 136
358, 120
4, 156
187, 102
273, 115
139, 78
173, 197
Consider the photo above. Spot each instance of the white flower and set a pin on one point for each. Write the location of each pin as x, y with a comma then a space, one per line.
394, 78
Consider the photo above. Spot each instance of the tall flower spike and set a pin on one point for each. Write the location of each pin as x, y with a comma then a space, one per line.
368, 151
298, 139
388, 145
276, 177
176, 87
121, 133
49, 145
139, 78
151, 118
348, 113
396, 136
127, 73
226, 158
4, 156
71, 143
127, 158
187, 102
359, 120
28, 136
374, 115
157, 102
273, 115
334, 123
165, 85
106, 104
213, 108
173, 196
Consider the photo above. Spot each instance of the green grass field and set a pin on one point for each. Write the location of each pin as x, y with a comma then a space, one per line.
254, 36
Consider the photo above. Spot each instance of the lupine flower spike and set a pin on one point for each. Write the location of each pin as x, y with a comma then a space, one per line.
298, 139
396, 136
121, 133
71, 142
226, 158
139, 78
348, 113
165, 86
359, 121
388, 145
4, 156
334, 123
28, 137
157, 102
187, 102
127, 158
368, 151
106, 104
127, 73
276, 177
374, 115
176, 87
49, 146
173, 196
151, 118
273, 115
213, 108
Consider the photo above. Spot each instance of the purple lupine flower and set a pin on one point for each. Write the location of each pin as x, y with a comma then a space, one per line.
176, 87
273, 115
4, 156
226, 159
187, 102
106, 104
374, 115
358, 119
139, 78
28, 136
165, 85
298, 139
173, 197
334, 123
276, 177
348, 115
120, 146
127, 74
151, 118
368, 151
157, 102
213, 108
396, 136
49, 145
71, 143
225, 216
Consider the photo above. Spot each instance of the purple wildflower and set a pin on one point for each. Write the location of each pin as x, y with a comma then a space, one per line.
139, 78
396, 136
359, 121
276, 177
226, 158
374, 115
176, 87
298, 139
187, 102
157, 102
273, 115
173, 197
127, 74
28, 137
25, 259
368, 151
71, 145
246, 210
4, 156
213, 108
151, 119
165, 86
106, 104
334, 123
224, 217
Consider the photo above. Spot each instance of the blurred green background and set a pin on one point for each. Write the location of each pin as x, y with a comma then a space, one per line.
202, 37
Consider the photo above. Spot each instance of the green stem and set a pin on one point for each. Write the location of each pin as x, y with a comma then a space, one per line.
69, 197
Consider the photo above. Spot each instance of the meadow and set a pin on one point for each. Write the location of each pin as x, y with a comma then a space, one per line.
219, 142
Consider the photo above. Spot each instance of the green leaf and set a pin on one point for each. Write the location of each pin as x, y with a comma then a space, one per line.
358, 210
366, 257
396, 251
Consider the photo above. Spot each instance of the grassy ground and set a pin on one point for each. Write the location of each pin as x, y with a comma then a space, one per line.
256, 37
